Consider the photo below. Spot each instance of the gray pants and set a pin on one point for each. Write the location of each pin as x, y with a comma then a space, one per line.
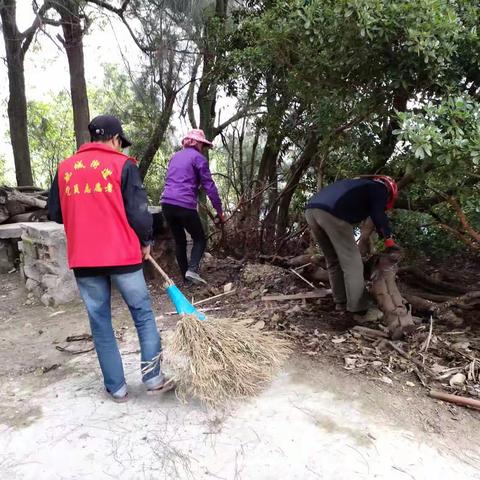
344, 262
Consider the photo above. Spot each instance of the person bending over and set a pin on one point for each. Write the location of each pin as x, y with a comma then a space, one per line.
331, 214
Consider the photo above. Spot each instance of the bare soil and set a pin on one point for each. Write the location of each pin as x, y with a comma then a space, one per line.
31, 365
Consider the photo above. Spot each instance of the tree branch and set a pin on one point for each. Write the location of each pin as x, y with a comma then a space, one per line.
120, 12
28, 35
244, 112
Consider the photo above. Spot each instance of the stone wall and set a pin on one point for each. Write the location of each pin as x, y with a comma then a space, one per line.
44, 263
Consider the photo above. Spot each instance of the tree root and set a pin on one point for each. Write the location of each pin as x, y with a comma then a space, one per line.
429, 283
443, 311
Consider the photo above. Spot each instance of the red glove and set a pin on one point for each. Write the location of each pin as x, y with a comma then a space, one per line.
391, 248
389, 243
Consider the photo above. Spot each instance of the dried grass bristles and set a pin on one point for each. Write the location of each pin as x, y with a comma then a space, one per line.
224, 359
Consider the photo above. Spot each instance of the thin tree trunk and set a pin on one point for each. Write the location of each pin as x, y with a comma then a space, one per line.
73, 43
297, 171
17, 102
158, 135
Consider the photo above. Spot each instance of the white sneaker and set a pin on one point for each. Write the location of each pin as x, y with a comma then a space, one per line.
195, 278
373, 314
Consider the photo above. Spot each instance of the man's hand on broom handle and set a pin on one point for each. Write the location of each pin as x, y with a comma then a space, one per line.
146, 252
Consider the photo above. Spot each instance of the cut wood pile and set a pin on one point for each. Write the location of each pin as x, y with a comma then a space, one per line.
23, 204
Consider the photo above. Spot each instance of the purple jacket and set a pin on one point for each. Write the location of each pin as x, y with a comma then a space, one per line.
187, 171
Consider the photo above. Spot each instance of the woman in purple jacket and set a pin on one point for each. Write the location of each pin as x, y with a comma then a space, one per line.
187, 171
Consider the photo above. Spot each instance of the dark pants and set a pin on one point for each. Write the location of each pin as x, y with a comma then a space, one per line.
180, 219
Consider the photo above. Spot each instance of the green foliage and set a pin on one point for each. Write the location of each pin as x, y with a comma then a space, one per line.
3, 179
445, 132
422, 237
155, 179
51, 137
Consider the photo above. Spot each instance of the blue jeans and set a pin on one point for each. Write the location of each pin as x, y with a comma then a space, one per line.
96, 295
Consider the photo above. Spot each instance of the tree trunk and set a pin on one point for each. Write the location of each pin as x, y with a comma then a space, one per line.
73, 43
297, 171
158, 135
207, 90
17, 102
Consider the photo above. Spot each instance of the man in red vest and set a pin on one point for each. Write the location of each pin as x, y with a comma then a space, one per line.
99, 196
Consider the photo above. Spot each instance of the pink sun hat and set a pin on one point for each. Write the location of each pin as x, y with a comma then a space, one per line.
197, 135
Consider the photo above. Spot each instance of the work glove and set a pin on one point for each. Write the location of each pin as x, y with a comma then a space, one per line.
219, 219
392, 249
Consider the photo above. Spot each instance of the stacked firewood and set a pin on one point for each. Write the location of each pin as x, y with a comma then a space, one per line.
23, 204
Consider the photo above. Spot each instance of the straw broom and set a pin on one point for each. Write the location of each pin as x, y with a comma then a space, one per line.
222, 359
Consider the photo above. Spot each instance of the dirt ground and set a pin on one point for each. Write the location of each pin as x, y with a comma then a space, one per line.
317, 420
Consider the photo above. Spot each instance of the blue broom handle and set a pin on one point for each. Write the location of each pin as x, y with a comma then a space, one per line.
161, 271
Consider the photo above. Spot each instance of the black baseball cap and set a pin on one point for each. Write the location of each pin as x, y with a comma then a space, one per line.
109, 126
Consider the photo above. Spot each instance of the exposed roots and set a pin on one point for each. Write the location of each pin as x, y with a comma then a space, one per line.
225, 360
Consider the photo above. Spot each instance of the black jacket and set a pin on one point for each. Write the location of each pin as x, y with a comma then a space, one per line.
355, 200
136, 208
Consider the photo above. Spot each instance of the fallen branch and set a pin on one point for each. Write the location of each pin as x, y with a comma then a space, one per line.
296, 296
371, 332
457, 399
438, 310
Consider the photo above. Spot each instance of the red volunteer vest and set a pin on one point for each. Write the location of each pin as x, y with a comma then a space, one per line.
96, 225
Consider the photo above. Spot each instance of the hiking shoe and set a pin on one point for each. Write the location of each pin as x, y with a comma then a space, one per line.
371, 315
195, 278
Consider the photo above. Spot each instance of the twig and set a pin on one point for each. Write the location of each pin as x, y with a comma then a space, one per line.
303, 278
79, 338
73, 352
205, 300
426, 344
303, 266
413, 360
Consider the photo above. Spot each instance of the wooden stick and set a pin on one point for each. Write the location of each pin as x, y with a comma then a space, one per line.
303, 266
159, 269
463, 401
296, 296
303, 278
205, 300
369, 331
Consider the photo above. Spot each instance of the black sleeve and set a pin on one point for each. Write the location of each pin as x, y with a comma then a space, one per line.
136, 203
53, 203
378, 197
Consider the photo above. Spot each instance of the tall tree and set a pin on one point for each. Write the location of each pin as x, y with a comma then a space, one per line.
71, 17
16, 46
